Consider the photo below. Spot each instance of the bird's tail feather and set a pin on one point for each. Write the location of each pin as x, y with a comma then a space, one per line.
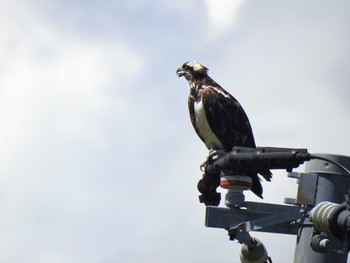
267, 175
256, 186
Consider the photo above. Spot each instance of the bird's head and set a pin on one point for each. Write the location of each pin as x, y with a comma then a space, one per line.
192, 70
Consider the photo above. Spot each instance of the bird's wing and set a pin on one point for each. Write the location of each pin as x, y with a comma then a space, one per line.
230, 124
227, 118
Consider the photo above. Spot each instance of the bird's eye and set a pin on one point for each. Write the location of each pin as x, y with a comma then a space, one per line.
189, 68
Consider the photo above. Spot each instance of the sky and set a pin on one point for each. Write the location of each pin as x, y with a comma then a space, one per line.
98, 159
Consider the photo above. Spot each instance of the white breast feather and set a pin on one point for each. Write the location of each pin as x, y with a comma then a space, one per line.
211, 141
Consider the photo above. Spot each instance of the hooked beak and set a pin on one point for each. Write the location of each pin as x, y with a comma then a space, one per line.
180, 72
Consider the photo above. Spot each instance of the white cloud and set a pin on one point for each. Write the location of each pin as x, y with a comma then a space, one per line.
223, 15
55, 94
64, 82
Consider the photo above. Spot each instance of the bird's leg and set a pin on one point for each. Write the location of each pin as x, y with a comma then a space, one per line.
213, 155
209, 183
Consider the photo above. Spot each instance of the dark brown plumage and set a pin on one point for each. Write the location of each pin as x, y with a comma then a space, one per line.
217, 117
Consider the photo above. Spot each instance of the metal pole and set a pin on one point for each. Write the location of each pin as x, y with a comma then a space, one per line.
332, 184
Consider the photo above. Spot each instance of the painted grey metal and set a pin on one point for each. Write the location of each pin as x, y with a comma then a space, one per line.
232, 199
270, 220
307, 189
290, 201
332, 184
222, 217
255, 217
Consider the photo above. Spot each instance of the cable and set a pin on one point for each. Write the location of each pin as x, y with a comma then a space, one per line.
330, 161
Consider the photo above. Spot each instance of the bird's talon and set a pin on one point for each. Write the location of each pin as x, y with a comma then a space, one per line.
213, 155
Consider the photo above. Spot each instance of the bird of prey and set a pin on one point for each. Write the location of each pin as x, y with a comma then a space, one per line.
217, 117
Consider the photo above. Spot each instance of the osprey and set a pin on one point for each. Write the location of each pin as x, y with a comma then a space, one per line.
217, 117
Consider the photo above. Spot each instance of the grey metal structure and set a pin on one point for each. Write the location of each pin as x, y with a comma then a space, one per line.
331, 184
321, 181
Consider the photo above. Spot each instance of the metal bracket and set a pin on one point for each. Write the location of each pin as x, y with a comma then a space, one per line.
260, 223
306, 190
251, 216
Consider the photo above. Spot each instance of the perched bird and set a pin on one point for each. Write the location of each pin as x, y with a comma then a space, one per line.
217, 117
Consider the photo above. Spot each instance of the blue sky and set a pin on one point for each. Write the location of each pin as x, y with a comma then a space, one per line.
99, 162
